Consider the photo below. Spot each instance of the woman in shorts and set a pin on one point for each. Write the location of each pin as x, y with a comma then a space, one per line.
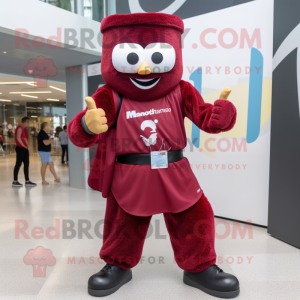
44, 150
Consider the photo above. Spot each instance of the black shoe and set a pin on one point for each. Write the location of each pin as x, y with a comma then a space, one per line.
29, 183
213, 281
108, 280
17, 184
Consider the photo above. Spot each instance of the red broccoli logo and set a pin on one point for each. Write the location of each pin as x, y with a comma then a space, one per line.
40, 68
39, 258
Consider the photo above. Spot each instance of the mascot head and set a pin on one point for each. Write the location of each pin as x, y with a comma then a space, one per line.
142, 54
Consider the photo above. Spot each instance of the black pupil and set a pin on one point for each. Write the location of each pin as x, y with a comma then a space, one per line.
132, 58
36, 68
45, 68
157, 57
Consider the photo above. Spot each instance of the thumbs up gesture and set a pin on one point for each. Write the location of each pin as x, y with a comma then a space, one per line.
225, 93
95, 118
223, 112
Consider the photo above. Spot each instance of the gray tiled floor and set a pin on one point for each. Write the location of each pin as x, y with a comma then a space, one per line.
273, 271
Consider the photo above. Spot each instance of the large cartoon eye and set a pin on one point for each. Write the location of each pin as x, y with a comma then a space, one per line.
127, 57
161, 57
45, 68
132, 58
157, 58
36, 68
35, 258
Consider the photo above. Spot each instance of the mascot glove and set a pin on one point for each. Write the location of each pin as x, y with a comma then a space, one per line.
223, 113
95, 119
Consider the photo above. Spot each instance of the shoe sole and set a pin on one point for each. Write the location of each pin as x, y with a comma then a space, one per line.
30, 185
103, 293
17, 185
218, 294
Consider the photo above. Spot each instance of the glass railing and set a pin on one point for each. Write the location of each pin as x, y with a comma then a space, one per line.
8, 145
11, 116
69, 5
92, 9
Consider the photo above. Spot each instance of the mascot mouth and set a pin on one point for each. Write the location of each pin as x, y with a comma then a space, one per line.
145, 84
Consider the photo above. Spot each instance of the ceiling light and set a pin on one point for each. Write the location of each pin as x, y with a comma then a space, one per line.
33, 84
47, 92
4, 52
31, 107
17, 82
16, 104
5, 100
57, 88
33, 116
28, 96
52, 99
1, 93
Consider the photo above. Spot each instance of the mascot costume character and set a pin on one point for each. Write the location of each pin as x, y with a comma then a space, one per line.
137, 120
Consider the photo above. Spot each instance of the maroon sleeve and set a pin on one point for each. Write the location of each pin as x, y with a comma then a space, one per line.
210, 118
103, 99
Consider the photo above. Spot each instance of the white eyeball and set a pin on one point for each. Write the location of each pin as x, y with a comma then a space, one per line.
127, 57
160, 57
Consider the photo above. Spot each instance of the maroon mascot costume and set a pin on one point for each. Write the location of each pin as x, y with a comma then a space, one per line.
137, 120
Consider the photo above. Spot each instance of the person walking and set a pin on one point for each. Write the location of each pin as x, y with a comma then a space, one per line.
2, 138
22, 153
63, 138
44, 150
10, 135
58, 130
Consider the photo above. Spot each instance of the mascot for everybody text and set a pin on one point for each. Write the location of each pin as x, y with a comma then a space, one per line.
137, 120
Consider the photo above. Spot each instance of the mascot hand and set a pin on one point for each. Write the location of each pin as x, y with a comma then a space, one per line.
95, 118
223, 111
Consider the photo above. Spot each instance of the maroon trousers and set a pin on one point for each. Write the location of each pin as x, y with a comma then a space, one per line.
192, 235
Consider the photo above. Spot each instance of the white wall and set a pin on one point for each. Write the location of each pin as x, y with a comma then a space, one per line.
242, 193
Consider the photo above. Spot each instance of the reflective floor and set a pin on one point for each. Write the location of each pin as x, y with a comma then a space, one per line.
50, 238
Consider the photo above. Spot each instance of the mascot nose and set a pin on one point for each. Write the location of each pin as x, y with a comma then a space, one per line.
144, 69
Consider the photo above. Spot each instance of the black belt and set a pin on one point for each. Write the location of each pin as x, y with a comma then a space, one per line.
145, 159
